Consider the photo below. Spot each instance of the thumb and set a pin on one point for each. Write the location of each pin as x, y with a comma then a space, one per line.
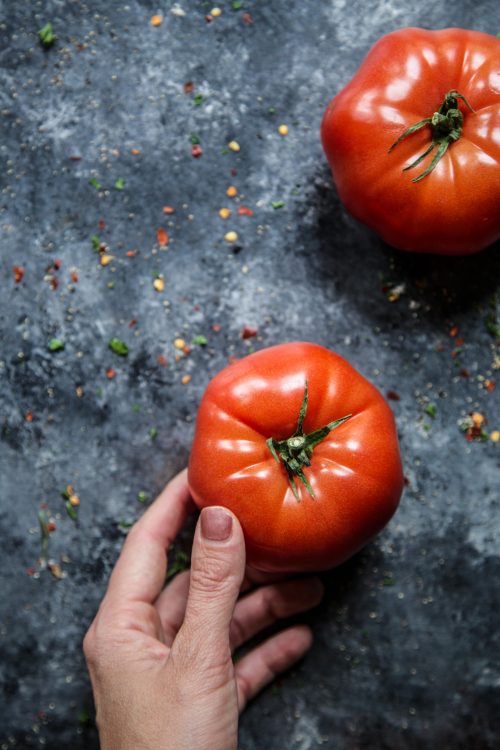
217, 570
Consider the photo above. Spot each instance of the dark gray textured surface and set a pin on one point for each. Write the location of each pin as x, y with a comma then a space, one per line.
409, 665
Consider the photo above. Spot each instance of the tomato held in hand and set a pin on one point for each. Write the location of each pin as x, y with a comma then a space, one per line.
303, 450
413, 140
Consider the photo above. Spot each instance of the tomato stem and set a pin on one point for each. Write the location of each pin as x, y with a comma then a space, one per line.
296, 451
446, 125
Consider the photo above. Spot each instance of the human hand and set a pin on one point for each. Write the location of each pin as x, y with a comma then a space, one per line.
160, 658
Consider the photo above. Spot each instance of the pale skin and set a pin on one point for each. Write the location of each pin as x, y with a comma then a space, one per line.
160, 658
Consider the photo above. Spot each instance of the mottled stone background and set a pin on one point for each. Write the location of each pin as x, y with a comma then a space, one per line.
407, 647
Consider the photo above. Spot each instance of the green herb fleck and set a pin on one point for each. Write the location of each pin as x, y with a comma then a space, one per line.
136, 407
224, 151
118, 347
198, 99
180, 562
200, 340
194, 139
143, 496
277, 204
96, 242
271, 110
426, 426
55, 345
46, 35
124, 524
110, 284
153, 433
237, 5
388, 581
120, 183
71, 511
431, 410
95, 183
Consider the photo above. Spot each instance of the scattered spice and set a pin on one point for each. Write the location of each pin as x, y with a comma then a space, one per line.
131, 253
18, 272
489, 385
74, 277
55, 345
231, 237
247, 18
245, 211
79, 391
168, 209
225, 213
216, 327
200, 340
198, 100
95, 183
283, 130
196, 150
185, 379
110, 373
215, 12
143, 496
162, 237
46, 35
237, 5
119, 183
118, 347
188, 87
277, 204
162, 360
153, 433
135, 151
156, 20
431, 410
249, 332
473, 427
495, 436
106, 259
232, 191
179, 344
393, 396
159, 283
234, 146
28, 417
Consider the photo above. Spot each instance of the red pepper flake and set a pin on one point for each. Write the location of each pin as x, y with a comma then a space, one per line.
162, 360
102, 225
393, 396
233, 172
75, 157
464, 373
247, 19
209, 18
188, 87
28, 416
30, 572
74, 277
245, 211
162, 237
454, 331
57, 264
110, 373
51, 526
54, 283
216, 327
490, 385
132, 323
18, 272
131, 253
168, 209
196, 150
186, 349
249, 332
135, 151
459, 341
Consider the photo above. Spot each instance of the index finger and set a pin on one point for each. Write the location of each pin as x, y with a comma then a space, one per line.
139, 574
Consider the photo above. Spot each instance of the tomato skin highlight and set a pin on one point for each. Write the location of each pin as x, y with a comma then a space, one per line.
355, 472
454, 210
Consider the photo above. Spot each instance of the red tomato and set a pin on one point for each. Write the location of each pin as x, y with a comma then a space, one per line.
453, 209
351, 470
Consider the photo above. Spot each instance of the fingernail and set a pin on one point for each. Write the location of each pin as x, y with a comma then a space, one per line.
216, 524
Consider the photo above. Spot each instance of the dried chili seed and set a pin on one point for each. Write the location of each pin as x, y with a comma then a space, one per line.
454, 331
131, 253
110, 373
168, 209
247, 19
224, 213
28, 417
232, 191
74, 277
162, 360
188, 87
196, 150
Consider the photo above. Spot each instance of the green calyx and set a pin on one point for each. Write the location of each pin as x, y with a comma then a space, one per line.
295, 452
446, 125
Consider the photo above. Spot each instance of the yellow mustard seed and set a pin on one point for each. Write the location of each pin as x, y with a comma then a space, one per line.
185, 379
159, 284
231, 192
231, 237
179, 343
225, 213
283, 130
215, 12
233, 146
